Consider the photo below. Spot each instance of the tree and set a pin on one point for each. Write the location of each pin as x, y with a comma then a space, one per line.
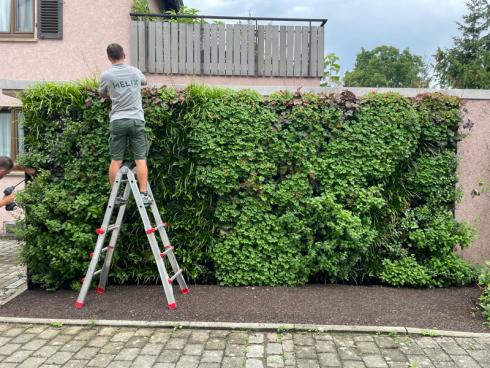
331, 68
467, 63
386, 66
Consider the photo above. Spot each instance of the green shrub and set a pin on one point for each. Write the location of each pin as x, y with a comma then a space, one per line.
276, 190
484, 281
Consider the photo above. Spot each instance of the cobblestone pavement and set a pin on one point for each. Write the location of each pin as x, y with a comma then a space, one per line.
12, 276
91, 346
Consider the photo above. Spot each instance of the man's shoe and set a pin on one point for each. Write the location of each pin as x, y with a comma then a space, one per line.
146, 198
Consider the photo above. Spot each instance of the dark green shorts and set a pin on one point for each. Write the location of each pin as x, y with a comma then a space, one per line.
124, 130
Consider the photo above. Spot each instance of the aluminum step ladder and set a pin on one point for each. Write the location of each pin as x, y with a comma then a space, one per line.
127, 176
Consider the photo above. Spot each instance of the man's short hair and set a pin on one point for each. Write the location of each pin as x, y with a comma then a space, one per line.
115, 51
6, 163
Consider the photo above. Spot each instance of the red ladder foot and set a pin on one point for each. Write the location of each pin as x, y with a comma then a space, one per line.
172, 306
185, 291
100, 290
79, 305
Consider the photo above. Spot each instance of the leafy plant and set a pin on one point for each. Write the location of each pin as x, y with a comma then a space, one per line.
484, 281
277, 190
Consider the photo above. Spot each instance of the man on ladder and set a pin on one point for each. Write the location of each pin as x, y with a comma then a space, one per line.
123, 84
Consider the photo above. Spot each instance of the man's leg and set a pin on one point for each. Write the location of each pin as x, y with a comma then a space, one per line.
113, 169
142, 173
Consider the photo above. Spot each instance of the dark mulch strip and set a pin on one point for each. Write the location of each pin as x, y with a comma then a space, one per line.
445, 309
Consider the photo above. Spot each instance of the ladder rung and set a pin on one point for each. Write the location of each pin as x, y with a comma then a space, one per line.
97, 272
112, 227
168, 250
171, 279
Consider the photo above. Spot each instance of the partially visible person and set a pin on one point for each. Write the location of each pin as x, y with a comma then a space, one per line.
6, 166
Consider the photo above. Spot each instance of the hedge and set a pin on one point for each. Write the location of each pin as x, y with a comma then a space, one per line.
279, 190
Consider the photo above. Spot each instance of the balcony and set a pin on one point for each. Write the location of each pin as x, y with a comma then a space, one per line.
253, 48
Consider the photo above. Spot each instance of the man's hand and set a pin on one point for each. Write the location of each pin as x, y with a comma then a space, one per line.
7, 200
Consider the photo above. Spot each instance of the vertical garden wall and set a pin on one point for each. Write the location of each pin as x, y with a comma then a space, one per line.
277, 190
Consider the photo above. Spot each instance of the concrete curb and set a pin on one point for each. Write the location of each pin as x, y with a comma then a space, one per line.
270, 327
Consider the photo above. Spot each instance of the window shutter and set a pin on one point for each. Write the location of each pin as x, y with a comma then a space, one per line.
50, 19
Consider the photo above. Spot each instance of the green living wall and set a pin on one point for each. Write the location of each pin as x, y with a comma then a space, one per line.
278, 190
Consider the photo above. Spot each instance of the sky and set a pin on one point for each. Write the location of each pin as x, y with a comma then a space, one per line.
419, 25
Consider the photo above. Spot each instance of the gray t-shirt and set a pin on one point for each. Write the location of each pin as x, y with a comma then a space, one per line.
123, 84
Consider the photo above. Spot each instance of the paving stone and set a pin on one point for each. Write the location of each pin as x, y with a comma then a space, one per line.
124, 364
209, 365
393, 355
169, 356
32, 362
136, 341
303, 339
427, 343
60, 340
348, 354
420, 361
13, 365
305, 363
101, 360
385, 342
13, 332
437, 354
46, 351
273, 337
86, 353
344, 341
233, 362
76, 363
256, 338
482, 356
325, 346
127, 354
237, 338
160, 337
275, 361
329, 360
235, 350
274, 348
112, 348
211, 356
22, 339
374, 361
255, 351
360, 338
465, 361
71, 330
107, 331
175, 344
183, 334
98, 341
4, 340
219, 333
60, 357
452, 348
36, 330
18, 356
144, 332
199, 337
48, 334
188, 361
444, 364
9, 348
289, 359
367, 347
193, 349
122, 336
305, 352
151, 349
288, 345
254, 363
216, 344
470, 344
144, 361
353, 364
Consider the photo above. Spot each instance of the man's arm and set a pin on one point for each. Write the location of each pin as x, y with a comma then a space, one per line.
103, 88
142, 77
7, 200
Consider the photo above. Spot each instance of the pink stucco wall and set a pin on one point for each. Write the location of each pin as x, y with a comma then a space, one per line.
474, 168
88, 27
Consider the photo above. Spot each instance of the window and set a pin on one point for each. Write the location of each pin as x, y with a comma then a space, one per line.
17, 18
11, 133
